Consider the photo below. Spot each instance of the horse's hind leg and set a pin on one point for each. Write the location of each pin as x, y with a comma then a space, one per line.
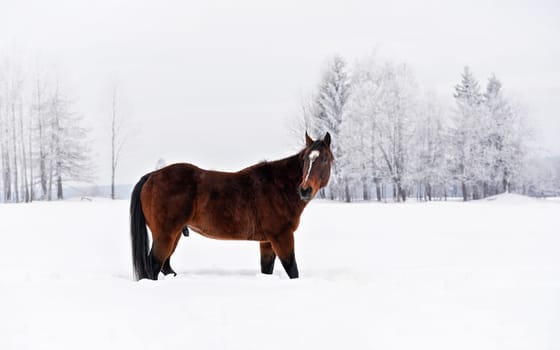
267, 258
162, 248
167, 269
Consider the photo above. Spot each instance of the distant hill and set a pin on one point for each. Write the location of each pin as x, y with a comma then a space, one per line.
511, 198
121, 191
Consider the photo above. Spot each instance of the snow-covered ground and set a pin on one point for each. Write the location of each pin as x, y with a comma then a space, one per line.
477, 275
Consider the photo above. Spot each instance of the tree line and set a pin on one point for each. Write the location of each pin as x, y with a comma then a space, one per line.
43, 143
393, 140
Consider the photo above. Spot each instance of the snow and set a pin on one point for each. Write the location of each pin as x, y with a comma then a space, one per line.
512, 198
475, 275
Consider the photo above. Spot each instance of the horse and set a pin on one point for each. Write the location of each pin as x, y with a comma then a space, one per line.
261, 203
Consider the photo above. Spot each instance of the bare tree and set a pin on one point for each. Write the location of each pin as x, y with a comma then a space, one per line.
118, 138
39, 107
42, 141
69, 153
4, 145
24, 167
12, 85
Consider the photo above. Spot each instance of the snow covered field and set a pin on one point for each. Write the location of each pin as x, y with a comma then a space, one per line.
477, 275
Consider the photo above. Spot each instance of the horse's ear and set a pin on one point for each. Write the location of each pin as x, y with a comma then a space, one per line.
308, 140
327, 139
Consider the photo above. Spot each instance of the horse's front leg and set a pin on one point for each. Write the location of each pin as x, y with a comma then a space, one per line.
283, 246
267, 258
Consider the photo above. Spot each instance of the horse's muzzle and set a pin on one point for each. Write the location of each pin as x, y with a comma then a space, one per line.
305, 193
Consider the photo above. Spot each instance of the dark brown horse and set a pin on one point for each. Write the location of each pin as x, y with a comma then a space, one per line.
261, 203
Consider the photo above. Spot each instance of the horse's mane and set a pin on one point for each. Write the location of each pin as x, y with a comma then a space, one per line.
293, 161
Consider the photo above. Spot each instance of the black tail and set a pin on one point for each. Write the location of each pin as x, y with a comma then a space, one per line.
139, 234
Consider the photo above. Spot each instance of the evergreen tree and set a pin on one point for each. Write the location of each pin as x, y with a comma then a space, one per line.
466, 133
467, 93
328, 115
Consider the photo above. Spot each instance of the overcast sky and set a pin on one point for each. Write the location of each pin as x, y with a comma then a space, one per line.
215, 83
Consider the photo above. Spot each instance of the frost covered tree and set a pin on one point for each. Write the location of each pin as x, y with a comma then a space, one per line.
467, 132
11, 79
361, 160
40, 128
69, 151
507, 136
375, 130
392, 141
430, 148
354, 163
5, 150
118, 137
489, 138
378, 128
327, 114
395, 125
42, 141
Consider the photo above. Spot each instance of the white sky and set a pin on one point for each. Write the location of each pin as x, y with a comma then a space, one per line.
215, 83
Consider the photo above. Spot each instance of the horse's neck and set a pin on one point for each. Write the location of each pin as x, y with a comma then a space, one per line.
289, 169
285, 176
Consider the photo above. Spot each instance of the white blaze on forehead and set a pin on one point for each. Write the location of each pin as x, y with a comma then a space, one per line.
312, 156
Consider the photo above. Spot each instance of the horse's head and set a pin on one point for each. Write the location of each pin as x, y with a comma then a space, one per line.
317, 161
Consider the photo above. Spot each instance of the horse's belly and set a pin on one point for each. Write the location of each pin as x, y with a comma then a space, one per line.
225, 215
217, 233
